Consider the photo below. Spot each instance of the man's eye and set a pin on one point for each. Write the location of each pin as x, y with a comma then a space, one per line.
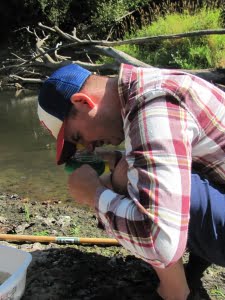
76, 138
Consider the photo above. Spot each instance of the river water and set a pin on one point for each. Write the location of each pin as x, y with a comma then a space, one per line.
27, 152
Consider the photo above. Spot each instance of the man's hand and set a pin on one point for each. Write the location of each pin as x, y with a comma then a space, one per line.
83, 183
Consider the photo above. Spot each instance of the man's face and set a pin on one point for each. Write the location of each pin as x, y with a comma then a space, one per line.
90, 130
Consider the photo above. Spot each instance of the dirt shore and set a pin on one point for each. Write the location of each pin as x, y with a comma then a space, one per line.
82, 272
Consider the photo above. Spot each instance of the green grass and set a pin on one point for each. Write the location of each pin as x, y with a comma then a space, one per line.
41, 233
185, 53
27, 213
217, 292
177, 23
75, 230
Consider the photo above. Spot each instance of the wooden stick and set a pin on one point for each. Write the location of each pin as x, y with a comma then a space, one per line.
58, 240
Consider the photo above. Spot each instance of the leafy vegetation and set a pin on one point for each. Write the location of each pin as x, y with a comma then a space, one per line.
186, 53
94, 17
109, 12
55, 10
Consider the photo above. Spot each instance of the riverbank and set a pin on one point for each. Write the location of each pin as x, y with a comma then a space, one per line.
81, 272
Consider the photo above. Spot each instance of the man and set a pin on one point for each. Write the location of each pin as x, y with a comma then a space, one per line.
206, 226
171, 122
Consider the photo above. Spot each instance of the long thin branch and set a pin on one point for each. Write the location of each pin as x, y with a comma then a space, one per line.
27, 80
145, 40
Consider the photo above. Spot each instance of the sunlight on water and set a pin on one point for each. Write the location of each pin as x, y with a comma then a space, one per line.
27, 160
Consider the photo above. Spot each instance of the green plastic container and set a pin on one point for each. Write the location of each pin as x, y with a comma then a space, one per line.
82, 158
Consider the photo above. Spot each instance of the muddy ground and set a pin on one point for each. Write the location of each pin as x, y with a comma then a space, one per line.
82, 272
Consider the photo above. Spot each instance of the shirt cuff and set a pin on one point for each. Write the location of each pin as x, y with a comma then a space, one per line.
103, 199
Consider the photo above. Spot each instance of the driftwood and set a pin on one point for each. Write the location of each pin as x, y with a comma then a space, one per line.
46, 58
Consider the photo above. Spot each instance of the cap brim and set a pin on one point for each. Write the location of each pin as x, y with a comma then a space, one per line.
64, 149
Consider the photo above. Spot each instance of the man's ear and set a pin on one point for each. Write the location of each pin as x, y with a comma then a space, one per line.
82, 98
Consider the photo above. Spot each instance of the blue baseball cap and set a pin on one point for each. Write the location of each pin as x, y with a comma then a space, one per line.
54, 104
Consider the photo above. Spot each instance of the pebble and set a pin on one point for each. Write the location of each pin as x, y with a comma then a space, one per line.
64, 221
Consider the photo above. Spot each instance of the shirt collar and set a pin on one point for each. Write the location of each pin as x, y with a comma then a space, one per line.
127, 75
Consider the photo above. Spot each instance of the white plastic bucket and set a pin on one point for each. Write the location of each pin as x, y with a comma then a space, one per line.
15, 262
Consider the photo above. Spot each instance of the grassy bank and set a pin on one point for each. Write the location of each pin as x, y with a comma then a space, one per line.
186, 53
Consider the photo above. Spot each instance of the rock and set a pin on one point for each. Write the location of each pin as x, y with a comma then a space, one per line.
37, 246
64, 221
14, 197
25, 247
6, 229
45, 221
22, 227
3, 220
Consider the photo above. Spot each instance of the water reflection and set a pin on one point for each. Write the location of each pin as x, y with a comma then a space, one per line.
27, 158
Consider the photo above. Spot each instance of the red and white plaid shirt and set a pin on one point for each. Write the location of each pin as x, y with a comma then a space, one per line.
173, 121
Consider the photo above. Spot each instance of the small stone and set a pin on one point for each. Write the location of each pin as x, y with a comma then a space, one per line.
3, 220
14, 196
37, 246
22, 227
64, 221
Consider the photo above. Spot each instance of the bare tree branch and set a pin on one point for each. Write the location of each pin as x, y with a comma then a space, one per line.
28, 80
45, 58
